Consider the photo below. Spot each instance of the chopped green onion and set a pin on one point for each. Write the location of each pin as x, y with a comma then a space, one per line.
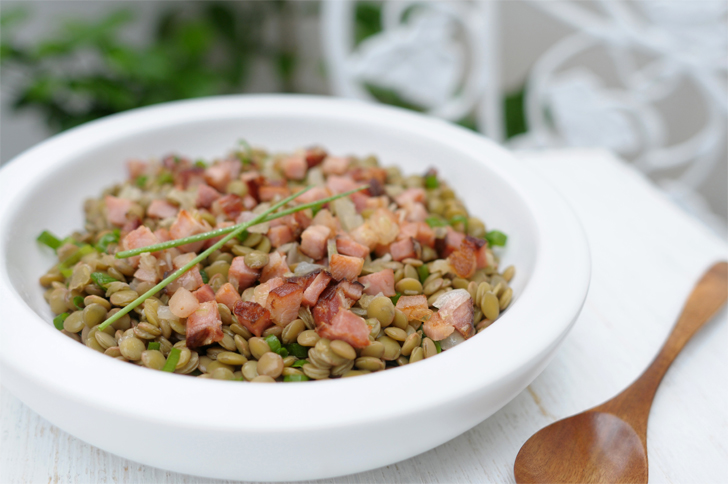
153, 345
297, 350
200, 164
141, 181
58, 320
205, 277
109, 238
496, 238
436, 222
102, 280
396, 297
299, 363
66, 272
296, 378
75, 257
423, 272
237, 378
49, 239
273, 343
165, 178
460, 219
243, 235
431, 181
78, 302
438, 346
172, 360
283, 353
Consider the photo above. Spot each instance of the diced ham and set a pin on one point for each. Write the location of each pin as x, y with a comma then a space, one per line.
183, 303
261, 291
190, 280
368, 174
294, 167
382, 281
346, 326
303, 219
415, 212
148, 269
324, 217
254, 181
464, 260
243, 275
280, 235
184, 226
414, 307
314, 156
162, 235
206, 195
136, 239
348, 246
204, 326
253, 316
204, 294
249, 202
268, 193
227, 295
230, 205
360, 200
436, 328
284, 302
161, 209
329, 303
425, 234
335, 165
377, 202
220, 174
450, 243
136, 168
313, 241
316, 287
189, 177
313, 195
345, 267
411, 195
276, 267
455, 309
352, 290
341, 184
481, 256
116, 209
403, 249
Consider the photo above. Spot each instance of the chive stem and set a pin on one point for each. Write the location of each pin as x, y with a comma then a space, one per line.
172, 277
226, 230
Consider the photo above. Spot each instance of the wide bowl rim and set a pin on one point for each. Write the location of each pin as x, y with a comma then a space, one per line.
555, 222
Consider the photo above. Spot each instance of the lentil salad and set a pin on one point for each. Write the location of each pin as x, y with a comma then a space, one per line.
393, 272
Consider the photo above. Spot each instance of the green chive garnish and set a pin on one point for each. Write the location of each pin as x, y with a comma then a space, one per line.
436, 222
49, 239
299, 363
267, 216
102, 280
172, 359
431, 181
496, 238
106, 239
396, 297
172, 277
205, 277
438, 346
423, 272
141, 181
295, 378
58, 320
297, 350
153, 345
78, 302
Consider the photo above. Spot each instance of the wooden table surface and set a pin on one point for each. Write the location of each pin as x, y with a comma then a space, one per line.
646, 256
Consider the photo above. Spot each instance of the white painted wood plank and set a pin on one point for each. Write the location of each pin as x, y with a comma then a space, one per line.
646, 257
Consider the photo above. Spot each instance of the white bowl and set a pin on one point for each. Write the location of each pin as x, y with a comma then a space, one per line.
286, 431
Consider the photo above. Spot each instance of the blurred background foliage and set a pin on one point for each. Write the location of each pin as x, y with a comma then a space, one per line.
87, 69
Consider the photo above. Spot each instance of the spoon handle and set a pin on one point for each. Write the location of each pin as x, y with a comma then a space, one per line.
708, 296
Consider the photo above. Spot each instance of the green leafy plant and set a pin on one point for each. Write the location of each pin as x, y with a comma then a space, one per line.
87, 69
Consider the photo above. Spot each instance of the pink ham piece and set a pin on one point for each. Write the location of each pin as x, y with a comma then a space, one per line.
148, 269
304, 280
313, 195
189, 178
313, 291
280, 235
294, 167
314, 156
313, 241
268, 193
346, 326
162, 235
276, 267
116, 210
411, 195
204, 326
261, 291
382, 281
403, 249
345, 267
455, 310
415, 212
136, 239
352, 290
284, 302
481, 256
324, 217
414, 307
184, 226
348, 246
450, 243
161, 209
190, 280
335, 165
227, 295
253, 316
136, 168
341, 184
331, 301
205, 196
230, 206
464, 260
242, 275
183, 303
222, 173
204, 294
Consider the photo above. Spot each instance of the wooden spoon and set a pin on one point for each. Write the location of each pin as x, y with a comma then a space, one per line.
608, 443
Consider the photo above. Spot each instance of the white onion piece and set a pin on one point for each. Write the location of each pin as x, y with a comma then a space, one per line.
454, 339
315, 177
455, 297
304, 268
346, 212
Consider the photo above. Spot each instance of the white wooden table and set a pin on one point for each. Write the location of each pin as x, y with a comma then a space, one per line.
646, 256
